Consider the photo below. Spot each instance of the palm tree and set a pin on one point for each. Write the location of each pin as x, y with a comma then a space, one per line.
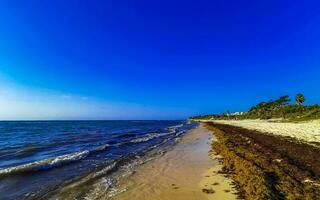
300, 99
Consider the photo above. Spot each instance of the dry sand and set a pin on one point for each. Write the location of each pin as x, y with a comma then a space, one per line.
180, 174
304, 131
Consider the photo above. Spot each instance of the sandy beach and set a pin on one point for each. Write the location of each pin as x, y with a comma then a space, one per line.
187, 172
305, 131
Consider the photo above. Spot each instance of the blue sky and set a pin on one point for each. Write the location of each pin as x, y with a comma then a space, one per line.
153, 59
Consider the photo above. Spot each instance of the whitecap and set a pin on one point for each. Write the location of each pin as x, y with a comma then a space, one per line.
45, 164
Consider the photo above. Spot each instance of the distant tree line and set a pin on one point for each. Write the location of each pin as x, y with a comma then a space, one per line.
278, 108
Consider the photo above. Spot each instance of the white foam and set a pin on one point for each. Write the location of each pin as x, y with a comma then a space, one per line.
151, 136
45, 164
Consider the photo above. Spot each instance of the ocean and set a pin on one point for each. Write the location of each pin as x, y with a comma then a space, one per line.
78, 159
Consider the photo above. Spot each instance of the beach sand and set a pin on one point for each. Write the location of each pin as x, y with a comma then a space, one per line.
308, 131
180, 174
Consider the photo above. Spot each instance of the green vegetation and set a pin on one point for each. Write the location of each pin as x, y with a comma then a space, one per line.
272, 109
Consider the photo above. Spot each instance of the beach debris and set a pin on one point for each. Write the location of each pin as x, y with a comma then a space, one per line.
174, 186
311, 182
215, 183
278, 160
308, 181
208, 191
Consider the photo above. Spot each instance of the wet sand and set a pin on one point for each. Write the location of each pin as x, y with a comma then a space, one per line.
180, 174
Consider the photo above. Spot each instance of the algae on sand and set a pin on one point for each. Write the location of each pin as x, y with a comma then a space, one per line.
267, 166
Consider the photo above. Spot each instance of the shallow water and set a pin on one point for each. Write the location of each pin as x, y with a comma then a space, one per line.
40, 159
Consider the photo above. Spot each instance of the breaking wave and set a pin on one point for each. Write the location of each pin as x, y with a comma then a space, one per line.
77, 156
150, 136
45, 164
51, 162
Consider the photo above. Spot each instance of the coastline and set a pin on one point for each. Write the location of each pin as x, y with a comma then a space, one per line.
85, 161
267, 166
188, 171
211, 161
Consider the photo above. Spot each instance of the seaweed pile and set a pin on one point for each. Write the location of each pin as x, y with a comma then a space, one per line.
265, 166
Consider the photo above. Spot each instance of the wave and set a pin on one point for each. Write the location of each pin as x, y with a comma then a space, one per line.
125, 165
126, 135
45, 164
20, 152
150, 136
72, 157
180, 133
175, 126
101, 148
51, 162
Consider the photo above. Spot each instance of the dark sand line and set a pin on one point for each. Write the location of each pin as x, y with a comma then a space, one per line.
267, 166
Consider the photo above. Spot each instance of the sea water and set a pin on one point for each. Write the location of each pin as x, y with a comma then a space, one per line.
39, 159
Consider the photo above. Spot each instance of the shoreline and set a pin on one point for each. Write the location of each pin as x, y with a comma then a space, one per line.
188, 171
267, 166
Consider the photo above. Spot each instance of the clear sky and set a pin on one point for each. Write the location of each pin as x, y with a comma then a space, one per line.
103, 59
